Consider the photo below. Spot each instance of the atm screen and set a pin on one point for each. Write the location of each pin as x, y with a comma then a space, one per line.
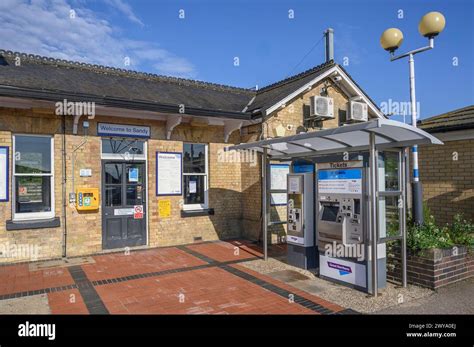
330, 213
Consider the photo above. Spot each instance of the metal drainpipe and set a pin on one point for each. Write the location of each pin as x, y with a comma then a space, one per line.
64, 182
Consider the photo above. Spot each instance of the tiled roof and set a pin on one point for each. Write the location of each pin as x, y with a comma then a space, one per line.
40, 77
459, 119
42, 73
271, 94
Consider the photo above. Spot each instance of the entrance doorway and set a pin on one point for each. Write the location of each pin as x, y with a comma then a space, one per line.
123, 204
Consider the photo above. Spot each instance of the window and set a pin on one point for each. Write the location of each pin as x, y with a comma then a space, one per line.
195, 176
123, 149
33, 177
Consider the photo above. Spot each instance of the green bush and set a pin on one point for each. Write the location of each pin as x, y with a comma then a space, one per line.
430, 235
461, 231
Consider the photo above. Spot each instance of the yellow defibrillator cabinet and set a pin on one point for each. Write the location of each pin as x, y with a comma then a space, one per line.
87, 199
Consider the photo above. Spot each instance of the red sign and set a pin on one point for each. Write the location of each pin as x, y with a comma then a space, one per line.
138, 212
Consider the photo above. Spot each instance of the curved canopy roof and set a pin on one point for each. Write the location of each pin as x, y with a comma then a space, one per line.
354, 137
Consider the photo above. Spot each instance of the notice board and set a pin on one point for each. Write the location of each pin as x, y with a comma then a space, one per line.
278, 174
169, 167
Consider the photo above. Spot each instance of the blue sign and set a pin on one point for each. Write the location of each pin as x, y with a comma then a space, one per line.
133, 174
340, 174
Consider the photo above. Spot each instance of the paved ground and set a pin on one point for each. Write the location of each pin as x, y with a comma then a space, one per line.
206, 278
344, 296
456, 298
199, 278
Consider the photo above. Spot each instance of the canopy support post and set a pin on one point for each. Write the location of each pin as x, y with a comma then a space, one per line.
374, 211
265, 203
404, 172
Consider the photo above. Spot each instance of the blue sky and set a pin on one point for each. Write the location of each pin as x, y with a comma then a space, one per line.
269, 45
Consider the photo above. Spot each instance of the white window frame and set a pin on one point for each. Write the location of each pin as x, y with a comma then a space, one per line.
189, 207
33, 215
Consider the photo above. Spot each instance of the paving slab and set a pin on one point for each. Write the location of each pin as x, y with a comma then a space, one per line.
35, 304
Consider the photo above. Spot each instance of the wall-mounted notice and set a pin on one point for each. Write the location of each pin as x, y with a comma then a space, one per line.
164, 208
4, 173
169, 173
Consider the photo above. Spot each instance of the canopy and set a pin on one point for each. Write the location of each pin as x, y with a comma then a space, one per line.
354, 137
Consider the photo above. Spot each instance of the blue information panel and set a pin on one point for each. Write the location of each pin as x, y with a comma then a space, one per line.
340, 181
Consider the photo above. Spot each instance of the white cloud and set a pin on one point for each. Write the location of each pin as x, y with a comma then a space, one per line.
45, 27
125, 9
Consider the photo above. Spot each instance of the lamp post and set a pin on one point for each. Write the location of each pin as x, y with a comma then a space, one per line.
430, 26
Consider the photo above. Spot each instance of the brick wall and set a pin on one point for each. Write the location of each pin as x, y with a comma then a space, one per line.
433, 268
46, 241
84, 229
448, 184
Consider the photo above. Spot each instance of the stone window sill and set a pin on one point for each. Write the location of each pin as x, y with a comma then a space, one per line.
196, 213
33, 224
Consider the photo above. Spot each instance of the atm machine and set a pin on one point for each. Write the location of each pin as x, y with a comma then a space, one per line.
300, 221
342, 225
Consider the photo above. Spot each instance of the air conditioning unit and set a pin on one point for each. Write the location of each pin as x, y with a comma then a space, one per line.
357, 112
321, 107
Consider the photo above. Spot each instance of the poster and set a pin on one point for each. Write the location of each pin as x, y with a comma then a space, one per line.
192, 187
168, 173
133, 174
278, 173
3, 173
164, 208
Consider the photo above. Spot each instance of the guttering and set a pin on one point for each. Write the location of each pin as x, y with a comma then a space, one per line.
51, 95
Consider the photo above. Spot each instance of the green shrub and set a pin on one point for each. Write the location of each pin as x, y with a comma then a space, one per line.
430, 235
461, 231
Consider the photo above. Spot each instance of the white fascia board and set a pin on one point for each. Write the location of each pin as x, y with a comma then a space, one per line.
360, 93
319, 78
299, 91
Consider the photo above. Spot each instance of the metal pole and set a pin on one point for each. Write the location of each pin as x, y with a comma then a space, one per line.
416, 184
404, 218
373, 212
264, 204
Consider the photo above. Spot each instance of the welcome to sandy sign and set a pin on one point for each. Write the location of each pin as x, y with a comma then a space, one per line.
122, 130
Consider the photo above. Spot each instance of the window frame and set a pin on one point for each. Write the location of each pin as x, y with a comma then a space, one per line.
190, 207
25, 216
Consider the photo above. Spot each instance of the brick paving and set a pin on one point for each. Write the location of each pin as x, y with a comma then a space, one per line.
203, 278
18, 278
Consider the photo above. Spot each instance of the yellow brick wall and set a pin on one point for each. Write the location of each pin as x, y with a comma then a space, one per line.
292, 113
448, 184
46, 241
84, 229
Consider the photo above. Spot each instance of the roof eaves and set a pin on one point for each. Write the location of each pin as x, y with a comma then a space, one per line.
49, 95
